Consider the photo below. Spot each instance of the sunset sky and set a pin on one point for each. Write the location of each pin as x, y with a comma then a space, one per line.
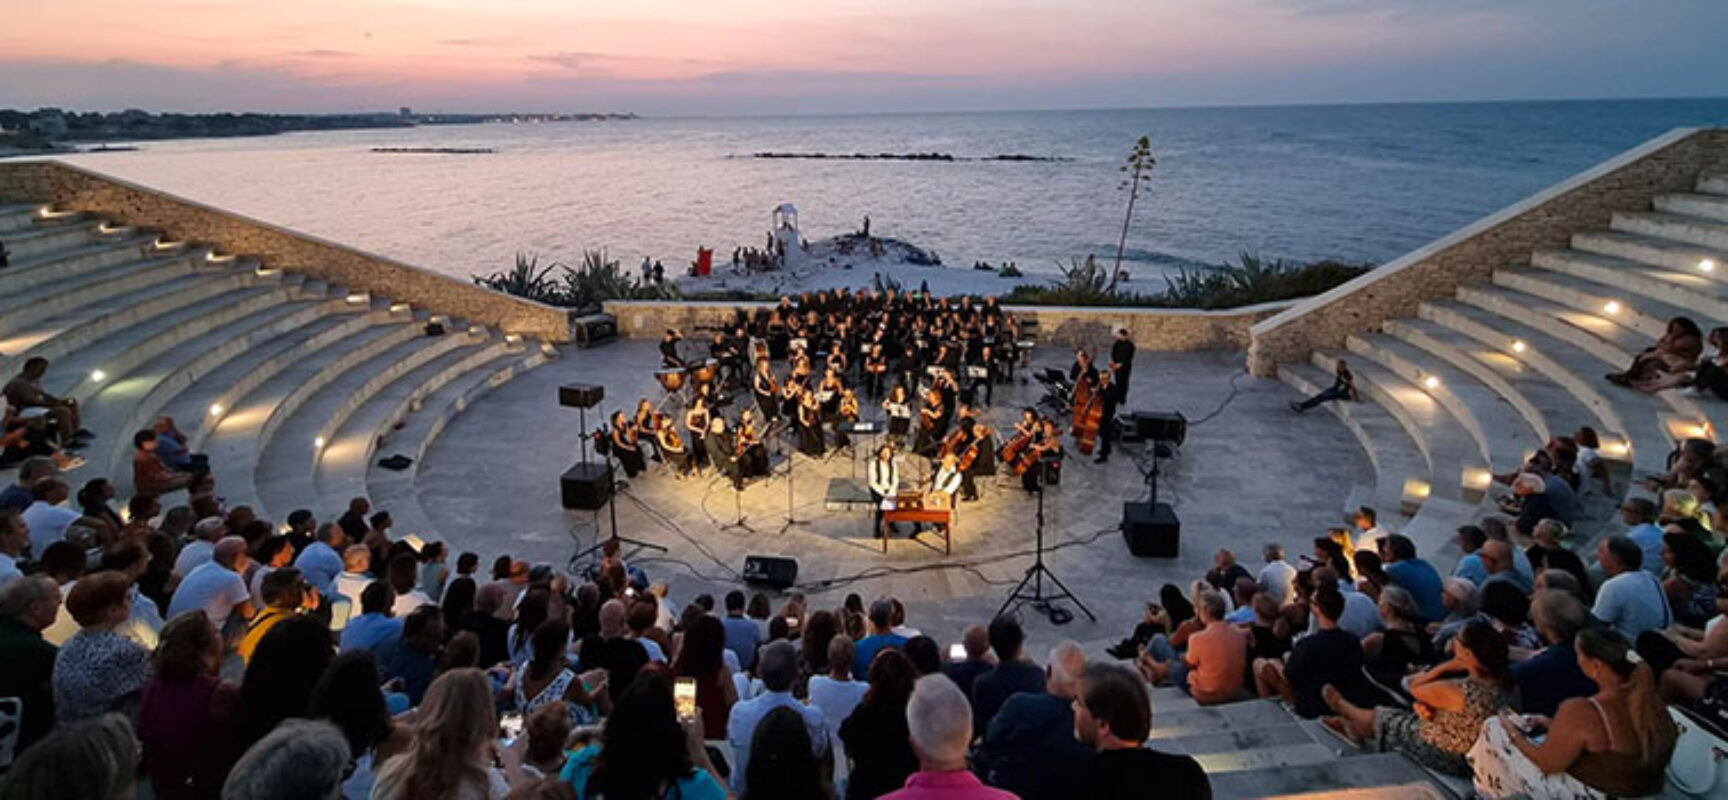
781, 56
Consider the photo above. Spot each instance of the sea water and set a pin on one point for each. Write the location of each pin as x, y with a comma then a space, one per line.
1360, 183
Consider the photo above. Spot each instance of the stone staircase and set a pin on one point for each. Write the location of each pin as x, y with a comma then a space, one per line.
293, 387
1474, 382
1258, 748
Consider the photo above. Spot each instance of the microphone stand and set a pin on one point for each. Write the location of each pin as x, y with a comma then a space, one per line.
1031, 588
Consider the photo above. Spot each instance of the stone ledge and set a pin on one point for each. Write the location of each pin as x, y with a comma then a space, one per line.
74, 188
1630, 181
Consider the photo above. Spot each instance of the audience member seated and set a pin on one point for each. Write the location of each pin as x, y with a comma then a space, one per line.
1217, 657
742, 634
1690, 578
187, 711
1113, 716
1225, 571
1639, 514
645, 750
450, 753
781, 761
1553, 675
976, 642
48, 516
546, 679
24, 392
26, 438
1330, 656
612, 650
837, 694
216, 586
1402, 647
1615, 742
1659, 366
701, 657
375, 628
881, 635
99, 669
27, 605
286, 595
940, 725
1631, 600
1012, 673
149, 473
1415, 575
778, 671
356, 574
484, 623
1548, 552
95, 759
1030, 748
171, 448
1508, 610
1452, 701
1462, 608
300, 758
19, 495
413, 659
1499, 559
1277, 577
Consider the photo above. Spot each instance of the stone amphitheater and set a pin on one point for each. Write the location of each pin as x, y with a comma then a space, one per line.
289, 361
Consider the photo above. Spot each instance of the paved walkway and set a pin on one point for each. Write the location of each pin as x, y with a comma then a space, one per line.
1254, 473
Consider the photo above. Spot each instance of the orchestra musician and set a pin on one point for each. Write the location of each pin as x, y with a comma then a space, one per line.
884, 483
720, 451
725, 352
646, 428
625, 445
669, 358
899, 409
875, 370
810, 439
767, 391
849, 412
751, 453
1046, 448
696, 427
944, 484
671, 445
932, 424
1111, 393
1122, 362
960, 445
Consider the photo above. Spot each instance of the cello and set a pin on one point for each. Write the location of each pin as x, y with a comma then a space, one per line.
1088, 417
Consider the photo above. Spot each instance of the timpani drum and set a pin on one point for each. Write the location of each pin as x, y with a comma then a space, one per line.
671, 380
705, 374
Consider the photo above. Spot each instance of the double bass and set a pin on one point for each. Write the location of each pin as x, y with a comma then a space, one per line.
1088, 414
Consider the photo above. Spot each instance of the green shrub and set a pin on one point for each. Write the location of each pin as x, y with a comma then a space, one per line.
597, 280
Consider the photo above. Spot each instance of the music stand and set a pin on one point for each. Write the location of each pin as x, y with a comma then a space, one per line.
791, 459
1043, 601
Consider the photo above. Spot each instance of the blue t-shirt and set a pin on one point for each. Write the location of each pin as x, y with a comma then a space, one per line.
1470, 568
868, 647
698, 785
742, 636
1648, 537
370, 632
1422, 581
1549, 677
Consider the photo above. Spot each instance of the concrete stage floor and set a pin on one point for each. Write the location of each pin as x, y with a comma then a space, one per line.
1254, 473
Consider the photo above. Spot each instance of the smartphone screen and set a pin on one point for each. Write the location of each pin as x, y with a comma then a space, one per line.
684, 696
956, 652
511, 725
791, 622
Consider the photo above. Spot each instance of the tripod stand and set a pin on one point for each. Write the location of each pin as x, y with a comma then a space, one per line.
637, 545
1031, 588
791, 459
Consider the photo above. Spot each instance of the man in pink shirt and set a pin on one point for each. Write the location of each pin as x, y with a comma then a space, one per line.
941, 723
1217, 655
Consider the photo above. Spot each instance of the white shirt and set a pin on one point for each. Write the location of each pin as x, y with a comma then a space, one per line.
885, 478
1370, 539
193, 556
48, 524
947, 482
405, 603
351, 584
1279, 579
212, 587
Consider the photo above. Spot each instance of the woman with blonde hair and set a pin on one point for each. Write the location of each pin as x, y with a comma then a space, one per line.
1615, 743
453, 741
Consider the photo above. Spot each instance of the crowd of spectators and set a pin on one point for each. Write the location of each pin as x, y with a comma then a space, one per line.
209, 653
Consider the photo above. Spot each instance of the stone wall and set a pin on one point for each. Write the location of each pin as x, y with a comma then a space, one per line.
69, 187
1628, 182
1152, 328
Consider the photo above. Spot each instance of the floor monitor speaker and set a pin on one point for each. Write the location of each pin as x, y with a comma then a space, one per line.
587, 485
1151, 529
771, 571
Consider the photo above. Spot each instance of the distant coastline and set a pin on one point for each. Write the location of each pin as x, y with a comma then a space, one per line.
48, 131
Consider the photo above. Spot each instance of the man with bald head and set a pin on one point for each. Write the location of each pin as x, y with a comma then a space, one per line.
976, 642
1497, 559
1029, 748
216, 586
612, 650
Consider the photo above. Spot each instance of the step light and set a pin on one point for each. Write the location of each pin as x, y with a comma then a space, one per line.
1518, 346
215, 409
318, 443
357, 299
98, 376
1431, 382
1612, 307
1707, 265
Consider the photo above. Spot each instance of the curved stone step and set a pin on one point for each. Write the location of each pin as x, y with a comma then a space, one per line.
394, 490
235, 438
1453, 457
16, 217
341, 467
1647, 249
1633, 322
1548, 408
46, 300
93, 258
1673, 227
1496, 319
42, 241
287, 460
157, 387
1504, 439
1713, 207
1713, 183
1694, 291
1398, 775
1396, 459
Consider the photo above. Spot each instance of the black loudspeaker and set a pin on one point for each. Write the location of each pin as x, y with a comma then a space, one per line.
581, 395
593, 329
1160, 426
771, 571
587, 485
1151, 529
